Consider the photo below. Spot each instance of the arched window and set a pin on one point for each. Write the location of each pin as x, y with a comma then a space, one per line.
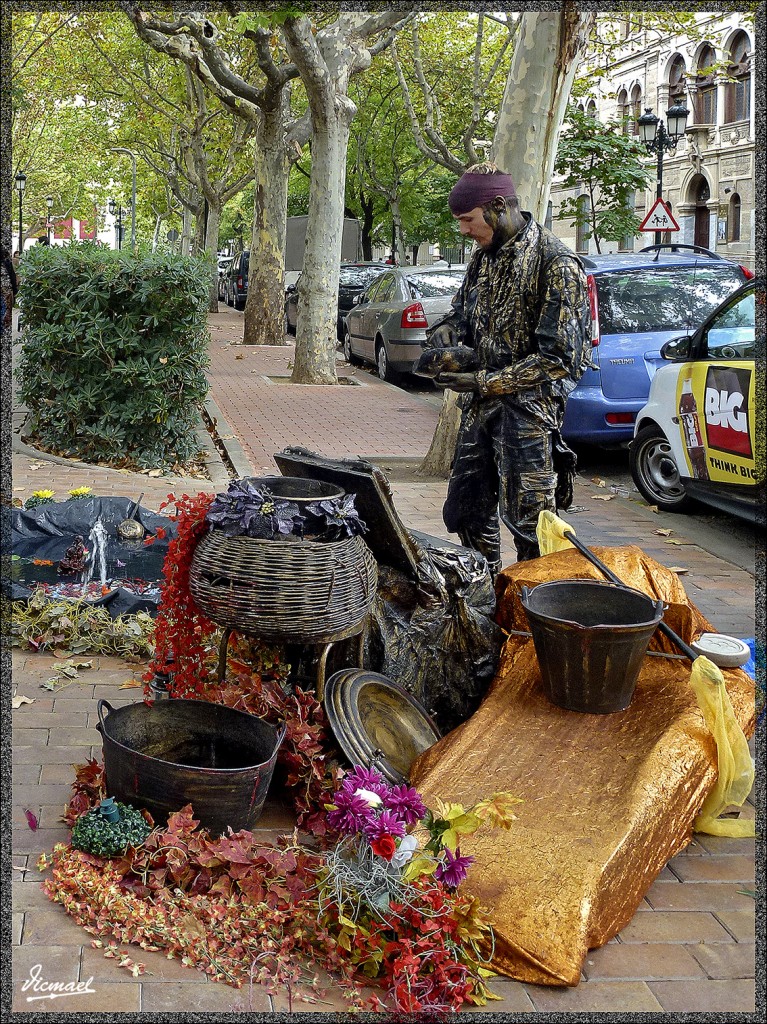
623, 110
591, 109
737, 104
677, 81
582, 227
636, 108
705, 98
733, 219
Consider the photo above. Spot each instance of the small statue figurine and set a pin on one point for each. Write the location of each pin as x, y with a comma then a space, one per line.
73, 560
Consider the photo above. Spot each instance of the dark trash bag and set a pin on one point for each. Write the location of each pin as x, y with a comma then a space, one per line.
432, 628
47, 531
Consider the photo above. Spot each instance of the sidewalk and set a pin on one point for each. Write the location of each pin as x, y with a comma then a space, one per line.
690, 947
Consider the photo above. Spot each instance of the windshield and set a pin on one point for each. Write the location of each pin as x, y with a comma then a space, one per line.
666, 299
427, 286
358, 277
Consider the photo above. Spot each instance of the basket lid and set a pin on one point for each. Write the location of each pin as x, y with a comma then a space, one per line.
377, 723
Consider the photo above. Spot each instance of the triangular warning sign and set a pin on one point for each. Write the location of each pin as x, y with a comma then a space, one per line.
659, 218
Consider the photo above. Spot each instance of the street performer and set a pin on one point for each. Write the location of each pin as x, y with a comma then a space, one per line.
523, 309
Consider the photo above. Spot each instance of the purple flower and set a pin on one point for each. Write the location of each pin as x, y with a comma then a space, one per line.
365, 778
452, 870
385, 823
406, 802
352, 812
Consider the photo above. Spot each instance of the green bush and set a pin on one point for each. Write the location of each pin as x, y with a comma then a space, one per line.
114, 348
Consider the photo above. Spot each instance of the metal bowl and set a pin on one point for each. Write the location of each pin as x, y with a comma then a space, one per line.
377, 722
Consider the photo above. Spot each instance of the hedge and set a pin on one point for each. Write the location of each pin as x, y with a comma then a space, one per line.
114, 349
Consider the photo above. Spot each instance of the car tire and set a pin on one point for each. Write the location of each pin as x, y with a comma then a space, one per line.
385, 372
239, 303
655, 471
346, 346
228, 298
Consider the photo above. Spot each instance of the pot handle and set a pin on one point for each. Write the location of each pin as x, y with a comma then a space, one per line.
523, 594
100, 708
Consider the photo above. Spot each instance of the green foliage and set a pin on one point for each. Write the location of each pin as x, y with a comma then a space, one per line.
114, 352
611, 167
92, 832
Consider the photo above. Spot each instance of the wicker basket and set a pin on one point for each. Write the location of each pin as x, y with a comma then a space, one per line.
301, 591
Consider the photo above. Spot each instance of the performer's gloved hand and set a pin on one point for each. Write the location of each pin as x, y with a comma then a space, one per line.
443, 336
464, 382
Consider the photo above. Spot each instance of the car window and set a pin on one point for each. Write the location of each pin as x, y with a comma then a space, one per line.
371, 292
358, 277
662, 299
427, 286
730, 334
384, 288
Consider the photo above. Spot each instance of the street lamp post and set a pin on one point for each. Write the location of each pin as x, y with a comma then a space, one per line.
116, 208
657, 138
20, 183
132, 155
49, 204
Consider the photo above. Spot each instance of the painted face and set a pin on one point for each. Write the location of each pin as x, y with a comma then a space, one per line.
473, 225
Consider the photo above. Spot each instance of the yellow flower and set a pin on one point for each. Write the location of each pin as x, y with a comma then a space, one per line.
43, 494
80, 492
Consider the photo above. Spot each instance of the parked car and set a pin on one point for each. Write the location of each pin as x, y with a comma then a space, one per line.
695, 437
387, 324
353, 278
236, 280
224, 262
638, 302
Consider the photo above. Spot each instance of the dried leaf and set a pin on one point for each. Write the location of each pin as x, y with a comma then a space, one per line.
598, 481
32, 820
603, 497
154, 472
129, 684
16, 702
664, 533
679, 569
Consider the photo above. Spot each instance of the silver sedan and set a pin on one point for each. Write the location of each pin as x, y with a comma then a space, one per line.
388, 322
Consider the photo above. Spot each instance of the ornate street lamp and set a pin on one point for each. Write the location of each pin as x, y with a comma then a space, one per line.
20, 183
48, 225
116, 208
132, 155
657, 138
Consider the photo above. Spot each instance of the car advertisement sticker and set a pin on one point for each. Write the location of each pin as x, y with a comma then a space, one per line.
715, 404
726, 410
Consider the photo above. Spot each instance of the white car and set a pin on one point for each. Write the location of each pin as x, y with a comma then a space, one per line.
695, 439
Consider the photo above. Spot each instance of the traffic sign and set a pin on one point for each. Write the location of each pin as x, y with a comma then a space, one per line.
659, 218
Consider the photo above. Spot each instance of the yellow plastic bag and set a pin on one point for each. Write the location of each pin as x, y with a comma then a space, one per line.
734, 762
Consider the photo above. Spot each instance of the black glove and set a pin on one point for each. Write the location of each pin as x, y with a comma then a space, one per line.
464, 382
443, 336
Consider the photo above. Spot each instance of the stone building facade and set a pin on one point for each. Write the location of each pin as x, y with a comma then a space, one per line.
709, 178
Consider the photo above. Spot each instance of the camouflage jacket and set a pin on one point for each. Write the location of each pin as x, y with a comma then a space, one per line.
525, 312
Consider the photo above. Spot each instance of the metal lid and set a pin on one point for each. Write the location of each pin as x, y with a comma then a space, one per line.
377, 723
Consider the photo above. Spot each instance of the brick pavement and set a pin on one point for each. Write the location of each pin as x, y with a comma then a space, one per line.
690, 946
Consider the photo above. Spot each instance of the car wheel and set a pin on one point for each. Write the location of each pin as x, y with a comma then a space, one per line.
655, 471
239, 302
385, 372
349, 356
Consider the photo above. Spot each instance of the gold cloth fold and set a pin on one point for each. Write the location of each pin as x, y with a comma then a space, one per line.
608, 799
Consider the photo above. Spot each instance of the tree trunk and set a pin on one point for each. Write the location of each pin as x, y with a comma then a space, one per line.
546, 53
265, 306
398, 236
366, 232
186, 231
211, 246
316, 338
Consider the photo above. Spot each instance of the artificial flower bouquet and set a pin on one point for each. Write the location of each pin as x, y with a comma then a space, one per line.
390, 889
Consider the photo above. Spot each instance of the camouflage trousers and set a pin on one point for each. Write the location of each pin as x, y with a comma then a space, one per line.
503, 464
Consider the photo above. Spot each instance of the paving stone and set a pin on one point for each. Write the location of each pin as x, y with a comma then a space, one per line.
705, 996
715, 869
670, 926
170, 997
40, 925
712, 896
645, 962
28, 895
26, 774
17, 924
740, 923
24, 840
24, 737
106, 998
722, 961
596, 997
720, 846
28, 717
26, 794
63, 773
158, 967
56, 963
514, 998
47, 754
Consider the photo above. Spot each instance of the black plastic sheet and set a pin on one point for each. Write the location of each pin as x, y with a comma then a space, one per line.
44, 533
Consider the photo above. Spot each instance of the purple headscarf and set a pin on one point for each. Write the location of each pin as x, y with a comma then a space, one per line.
474, 189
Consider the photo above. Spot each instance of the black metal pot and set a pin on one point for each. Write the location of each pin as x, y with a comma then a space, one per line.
166, 755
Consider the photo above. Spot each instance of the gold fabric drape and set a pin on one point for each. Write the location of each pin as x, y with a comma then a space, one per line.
608, 799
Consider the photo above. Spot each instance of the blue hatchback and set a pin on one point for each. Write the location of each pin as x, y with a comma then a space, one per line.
638, 302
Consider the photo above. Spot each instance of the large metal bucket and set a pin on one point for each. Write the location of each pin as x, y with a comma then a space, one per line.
171, 753
590, 639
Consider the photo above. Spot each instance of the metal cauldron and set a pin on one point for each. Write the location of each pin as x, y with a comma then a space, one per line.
166, 755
